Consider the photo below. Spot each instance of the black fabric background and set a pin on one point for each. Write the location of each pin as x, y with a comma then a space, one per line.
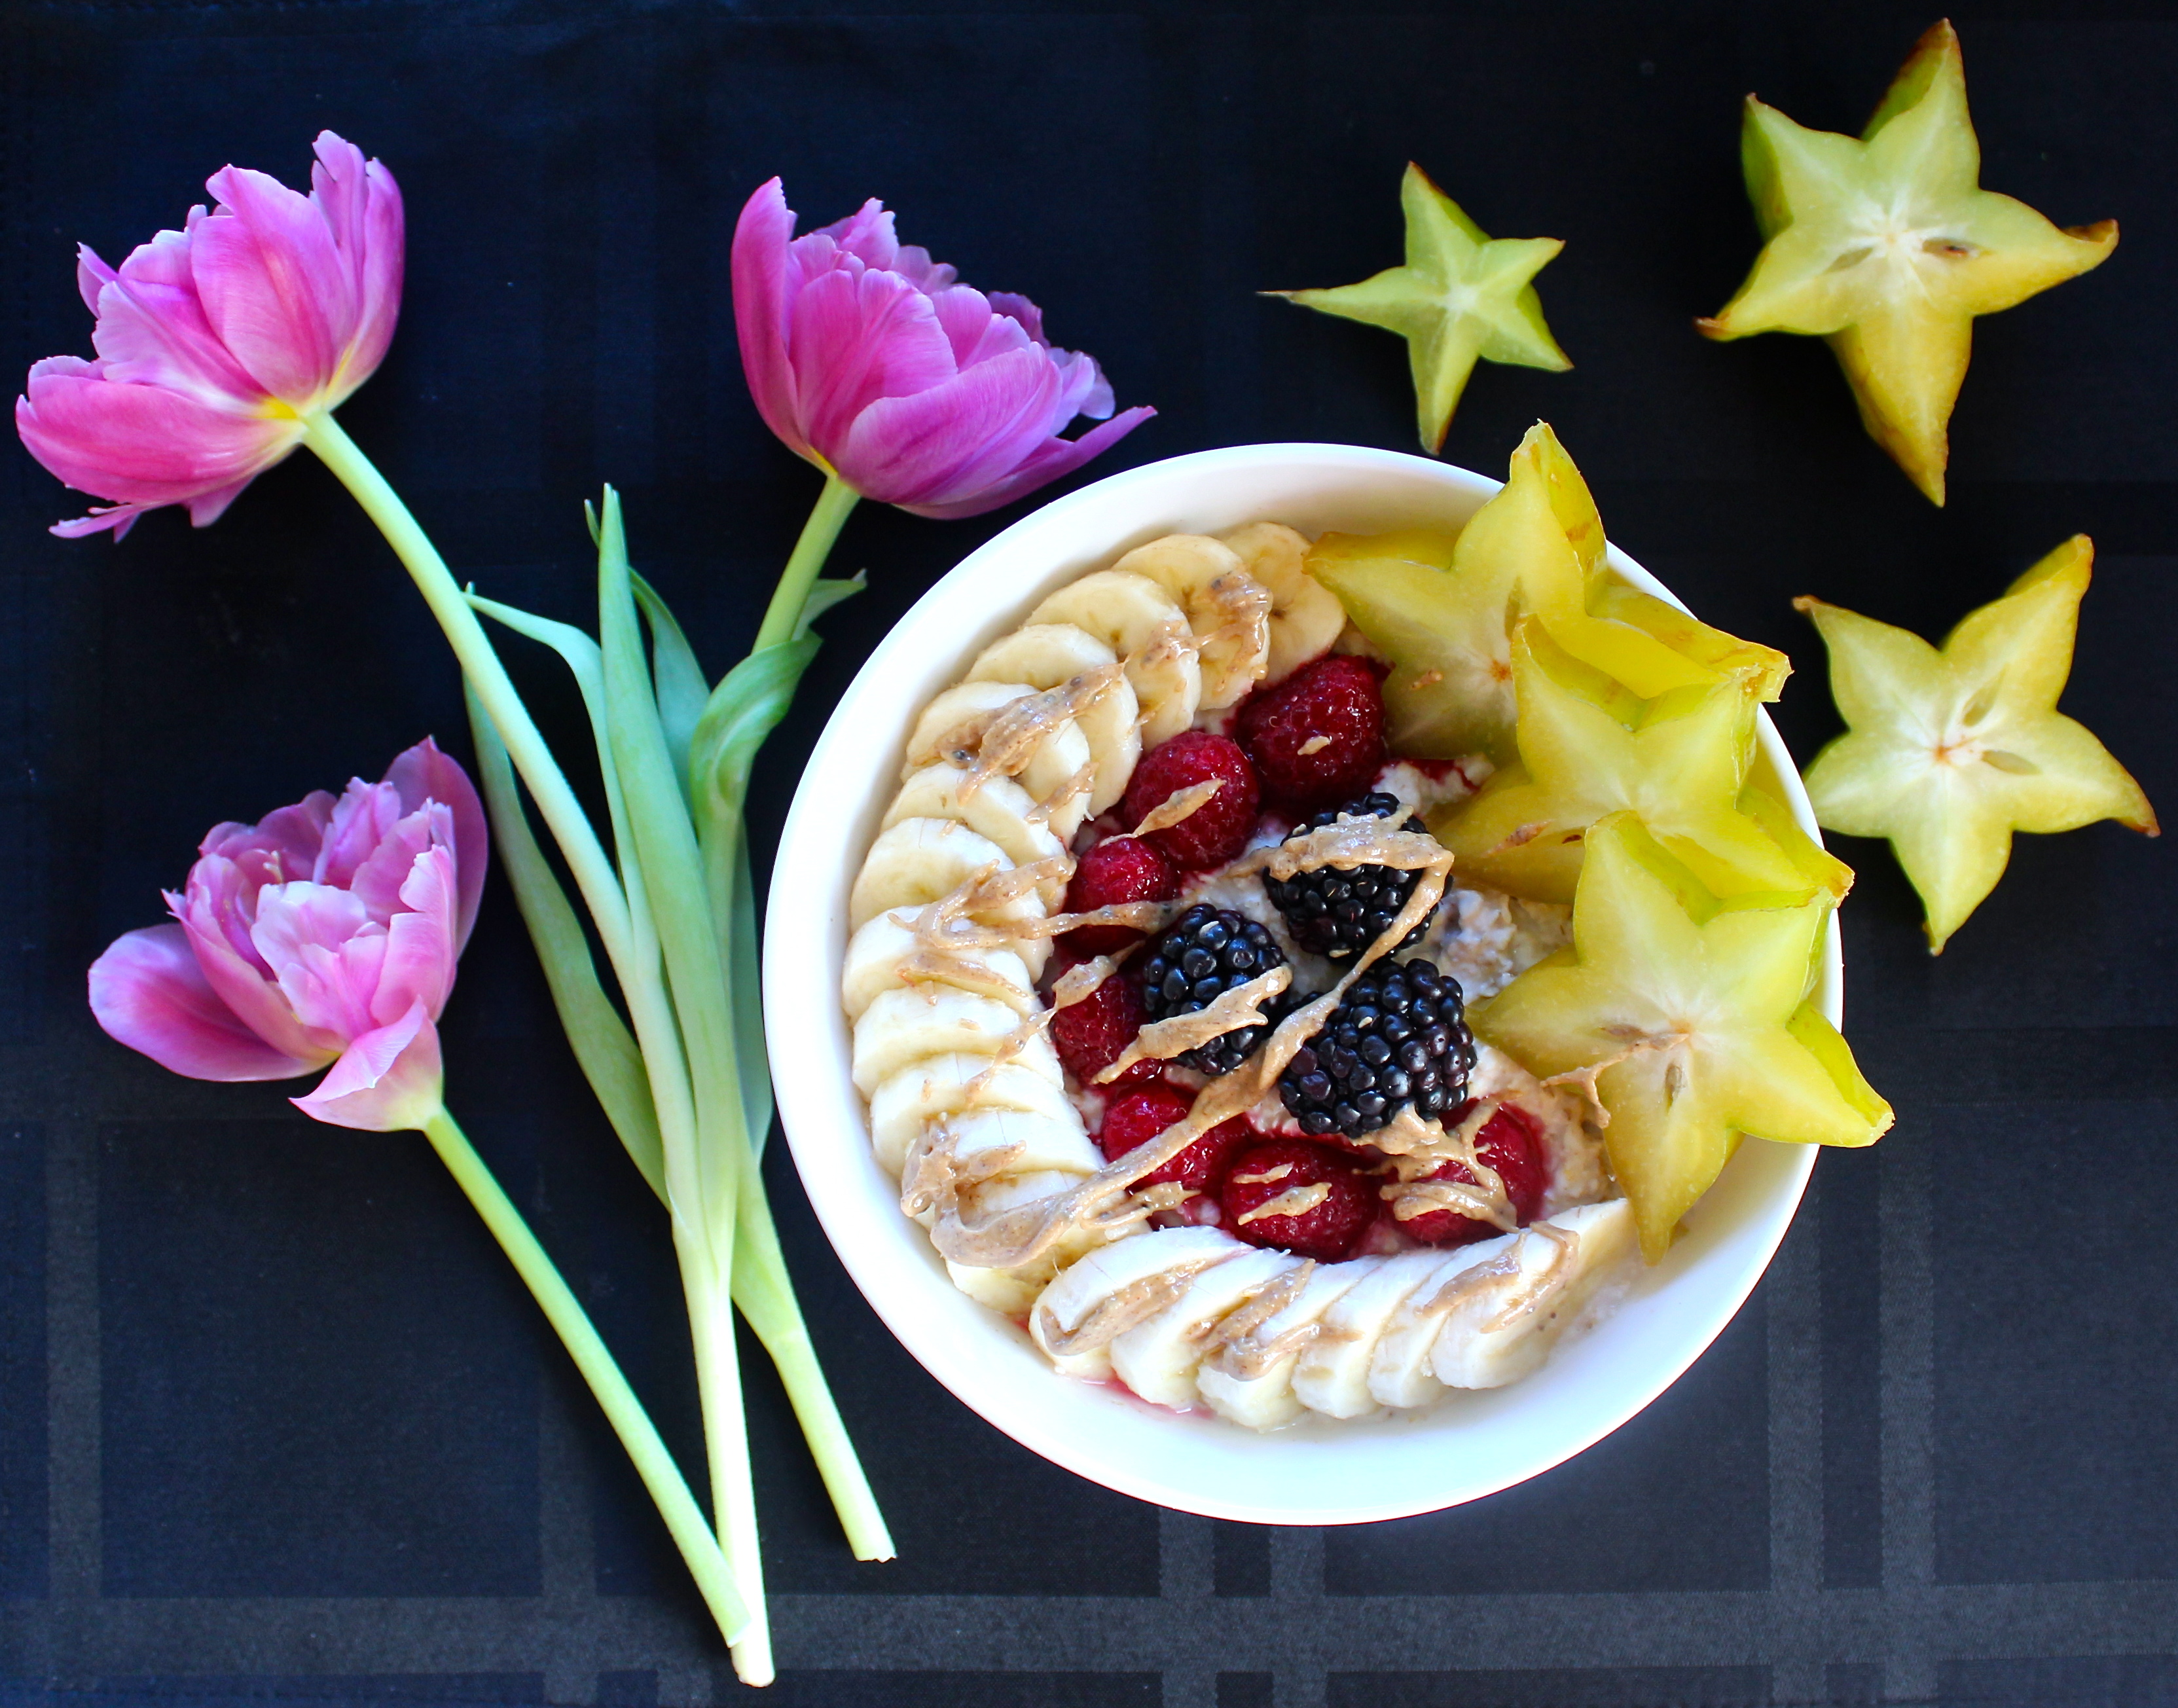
275, 1421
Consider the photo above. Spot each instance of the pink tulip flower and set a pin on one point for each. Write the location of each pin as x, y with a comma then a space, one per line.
328, 932
218, 343
871, 360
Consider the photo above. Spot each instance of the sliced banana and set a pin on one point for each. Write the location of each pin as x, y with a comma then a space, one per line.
1158, 1358
1048, 654
875, 953
1000, 809
1305, 616
1052, 764
1228, 609
1045, 1144
1400, 1372
1333, 1374
1066, 1303
947, 1085
902, 1026
1147, 627
919, 861
1267, 1401
1505, 1329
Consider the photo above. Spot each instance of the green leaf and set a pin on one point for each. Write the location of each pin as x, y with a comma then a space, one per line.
681, 689
743, 965
603, 1045
703, 1187
824, 594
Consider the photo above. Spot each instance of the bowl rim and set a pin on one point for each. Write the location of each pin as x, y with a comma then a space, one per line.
903, 1280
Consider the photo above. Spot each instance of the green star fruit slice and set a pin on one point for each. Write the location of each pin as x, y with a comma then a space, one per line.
1692, 1023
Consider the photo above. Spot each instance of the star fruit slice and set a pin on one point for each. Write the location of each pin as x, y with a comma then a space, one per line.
1949, 751
1889, 248
1461, 298
1589, 747
1442, 610
1692, 1021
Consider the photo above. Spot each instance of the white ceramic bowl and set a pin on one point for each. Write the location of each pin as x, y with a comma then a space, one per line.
1317, 1472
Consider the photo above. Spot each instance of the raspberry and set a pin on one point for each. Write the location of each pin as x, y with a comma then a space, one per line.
1327, 1231
1139, 1115
1317, 737
1218, 829
1118, 870
1093, 1033
1510, 1142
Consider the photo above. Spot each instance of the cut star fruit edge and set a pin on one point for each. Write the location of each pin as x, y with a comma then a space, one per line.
1588, 746
1442, 607
1904, 353
1693, 1022
2003, 759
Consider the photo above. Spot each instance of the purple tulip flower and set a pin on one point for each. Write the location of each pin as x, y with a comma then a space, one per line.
870, 360
328, 932
219, 342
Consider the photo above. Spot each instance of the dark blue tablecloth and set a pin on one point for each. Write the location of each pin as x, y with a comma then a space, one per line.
276, 1423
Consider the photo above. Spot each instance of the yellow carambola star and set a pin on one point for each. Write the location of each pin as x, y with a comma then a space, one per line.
1680, 760
1692, 1023
1888, 247
1947, 752
1460, 296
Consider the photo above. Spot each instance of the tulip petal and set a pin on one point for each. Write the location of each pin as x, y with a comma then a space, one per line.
362, 206
363, 817
867, 234
1047, 462
273, 284
420, 951
855, 340
140, 445
425, 773
760, 288
152, 331
389, 1080
325, 951
149, 991
949, 441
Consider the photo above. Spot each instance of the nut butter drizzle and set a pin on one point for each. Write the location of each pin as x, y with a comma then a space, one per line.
1120, 1310
1100, 1202
1010, 739
1235, 1344
1229, 1011
1179, 805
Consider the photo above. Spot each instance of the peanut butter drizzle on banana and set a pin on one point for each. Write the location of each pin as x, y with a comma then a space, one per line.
1242, 605
1021, 726
1120, 1310
1231, 1344
1101, 1202
1161, 1040
1179, 805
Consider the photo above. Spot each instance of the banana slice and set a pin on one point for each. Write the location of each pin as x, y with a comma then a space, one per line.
1046, 1144
1158, 1358
1399, 1368
1045, 656
940, 733
1305, 616
1267, 1401
1146, 627
919, 860
902, 1026
1506, 1328
874, 955
947, 1085
1109, 1269
1001, 810
1333, 1374
1228, 608
1013, 1292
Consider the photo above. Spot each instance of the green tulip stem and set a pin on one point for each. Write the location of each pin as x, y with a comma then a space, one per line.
683, 1518
586, 856
784, 614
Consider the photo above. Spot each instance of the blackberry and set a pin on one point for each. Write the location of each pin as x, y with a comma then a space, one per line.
1398, 1036
1339, 914
1203, 954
